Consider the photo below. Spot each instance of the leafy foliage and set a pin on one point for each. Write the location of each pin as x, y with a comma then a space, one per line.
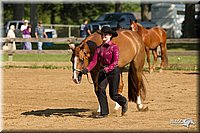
67, 13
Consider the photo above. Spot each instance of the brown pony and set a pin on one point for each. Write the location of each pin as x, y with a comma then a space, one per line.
152, 38
132, 51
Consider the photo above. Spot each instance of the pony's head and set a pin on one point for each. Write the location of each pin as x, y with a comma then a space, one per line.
134, 25
80, 59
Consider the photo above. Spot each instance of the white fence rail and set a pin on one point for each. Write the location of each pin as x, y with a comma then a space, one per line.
65, 30
66, 40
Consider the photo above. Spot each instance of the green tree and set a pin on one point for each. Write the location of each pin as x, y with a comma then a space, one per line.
131, 7
18, 13
75, 13
189, 23
8, 12
49, 13
67, 13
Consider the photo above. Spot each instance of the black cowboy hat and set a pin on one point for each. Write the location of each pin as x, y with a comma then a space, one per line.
108, 30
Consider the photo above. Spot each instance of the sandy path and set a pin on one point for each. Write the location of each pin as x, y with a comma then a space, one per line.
44, 99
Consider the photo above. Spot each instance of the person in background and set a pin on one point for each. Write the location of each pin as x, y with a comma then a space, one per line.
84, 29
39, 33
23, 27
107, 54
11, 46
27, 34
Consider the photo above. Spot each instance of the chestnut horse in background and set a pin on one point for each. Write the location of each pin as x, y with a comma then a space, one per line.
132, 51
153, 38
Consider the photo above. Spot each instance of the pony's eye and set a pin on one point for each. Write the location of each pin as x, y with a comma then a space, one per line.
81, 60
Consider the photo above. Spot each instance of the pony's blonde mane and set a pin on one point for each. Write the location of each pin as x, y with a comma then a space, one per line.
139, 25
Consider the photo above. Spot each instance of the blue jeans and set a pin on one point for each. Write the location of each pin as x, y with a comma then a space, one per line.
27, 45
84, 36
40, 45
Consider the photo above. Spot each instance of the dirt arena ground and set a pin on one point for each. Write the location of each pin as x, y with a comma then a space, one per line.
48, 100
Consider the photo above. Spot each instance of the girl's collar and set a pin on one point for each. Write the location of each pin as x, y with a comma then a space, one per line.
108, 42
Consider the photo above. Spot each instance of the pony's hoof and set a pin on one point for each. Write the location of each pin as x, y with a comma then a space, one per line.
143, 109
151, 71
160, 70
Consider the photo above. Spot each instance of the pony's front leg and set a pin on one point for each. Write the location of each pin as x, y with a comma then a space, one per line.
120, 89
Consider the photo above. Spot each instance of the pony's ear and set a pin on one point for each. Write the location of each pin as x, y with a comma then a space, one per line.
136, 21
72, 46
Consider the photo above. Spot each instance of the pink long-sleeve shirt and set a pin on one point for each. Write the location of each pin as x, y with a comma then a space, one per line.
107, 55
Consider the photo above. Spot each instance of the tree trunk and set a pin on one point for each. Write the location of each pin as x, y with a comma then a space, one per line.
145, 15
33, 18
189, 23
118, 7
18, 12
53, 14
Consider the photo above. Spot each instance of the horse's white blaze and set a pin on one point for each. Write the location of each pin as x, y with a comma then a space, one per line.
75, 63
75, 77
133, 28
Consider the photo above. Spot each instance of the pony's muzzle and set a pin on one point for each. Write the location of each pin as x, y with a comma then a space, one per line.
77, 78
76, 81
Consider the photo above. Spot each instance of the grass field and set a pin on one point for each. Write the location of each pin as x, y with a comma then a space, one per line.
66, 58
64, 46
39, 57
176, 62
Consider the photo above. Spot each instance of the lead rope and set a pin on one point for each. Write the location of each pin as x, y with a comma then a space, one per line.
96, 81
88, 79
86, 74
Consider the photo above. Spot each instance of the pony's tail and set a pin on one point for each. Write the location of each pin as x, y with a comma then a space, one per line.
164, 34
133, 81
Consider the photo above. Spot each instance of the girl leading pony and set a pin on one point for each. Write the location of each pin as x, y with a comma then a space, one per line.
132, 53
